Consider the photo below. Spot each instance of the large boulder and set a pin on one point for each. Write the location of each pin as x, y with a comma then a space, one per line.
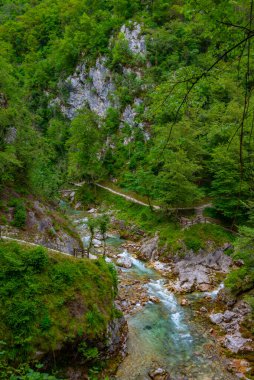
216, 318
236, 343
197, 272
230, 321
149, 248
124, 261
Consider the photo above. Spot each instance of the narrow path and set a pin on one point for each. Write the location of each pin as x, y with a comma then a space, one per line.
199, 209
92, 257
129, 198
34, 245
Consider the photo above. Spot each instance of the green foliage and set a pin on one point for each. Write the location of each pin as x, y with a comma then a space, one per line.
24, 374
19, 215
193, 243
84, 144
170, 232
121, 53
241, 280
39, 296
89, 353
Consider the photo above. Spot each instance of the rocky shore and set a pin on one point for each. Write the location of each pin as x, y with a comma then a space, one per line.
201, 275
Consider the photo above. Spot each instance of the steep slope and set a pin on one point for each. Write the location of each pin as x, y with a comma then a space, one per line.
56, 310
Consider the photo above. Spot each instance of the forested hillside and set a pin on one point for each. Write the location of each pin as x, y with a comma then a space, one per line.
154, 97
169, 127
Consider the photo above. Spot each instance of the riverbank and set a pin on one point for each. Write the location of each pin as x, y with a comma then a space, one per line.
164, 330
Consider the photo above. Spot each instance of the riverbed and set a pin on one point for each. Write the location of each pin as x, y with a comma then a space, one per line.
162, 334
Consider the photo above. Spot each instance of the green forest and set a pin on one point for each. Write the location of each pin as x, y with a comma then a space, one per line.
152, 98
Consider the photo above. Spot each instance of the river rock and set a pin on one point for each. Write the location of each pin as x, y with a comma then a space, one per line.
184, 302
159, 374
97, 243
78, 206
163, 268
236, 343
230, 321
124, 262
216, 318
154, 299
229, 315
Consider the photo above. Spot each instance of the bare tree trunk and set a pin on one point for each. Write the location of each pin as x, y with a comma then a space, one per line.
104, 246
90, 244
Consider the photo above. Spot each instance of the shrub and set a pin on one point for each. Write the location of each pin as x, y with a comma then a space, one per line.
241, 280
37, 259
19, 217
95, 320
193, 243
89, 353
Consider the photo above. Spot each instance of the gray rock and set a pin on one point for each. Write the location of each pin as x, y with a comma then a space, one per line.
117, 334
196, 272
97, 243
134, 37
149, 248
92, 211
93, 87
45, 224
236, 343
31, 220
124, 261
216, 318
229, 315
159, 374
230, 322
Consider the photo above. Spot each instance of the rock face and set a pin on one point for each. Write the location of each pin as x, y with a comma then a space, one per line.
46, 227
149, 248
230, 322
196, 272
136, 40
93, 87
117, 334
130, 113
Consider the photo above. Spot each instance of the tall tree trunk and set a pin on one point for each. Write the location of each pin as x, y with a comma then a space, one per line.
104, 245
90, 244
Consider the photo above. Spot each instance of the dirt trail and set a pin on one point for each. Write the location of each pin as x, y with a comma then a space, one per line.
92, 257
199, 209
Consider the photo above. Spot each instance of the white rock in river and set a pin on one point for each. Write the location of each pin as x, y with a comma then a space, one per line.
124, 262
97, 243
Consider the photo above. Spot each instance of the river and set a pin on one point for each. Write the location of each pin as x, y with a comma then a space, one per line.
164, 334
